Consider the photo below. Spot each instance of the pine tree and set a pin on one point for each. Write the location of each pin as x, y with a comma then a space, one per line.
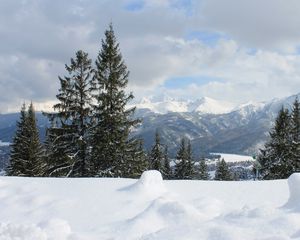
156, 155
275, 158
112, 120
203, 170
35, 156
184, 168
189, 165
67, 138
167, 171
136, 162
17, 162
222, 171
181, 157
295, 137
27, 152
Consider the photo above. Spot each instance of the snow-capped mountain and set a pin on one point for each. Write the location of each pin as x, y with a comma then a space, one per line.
211, 125
203, 105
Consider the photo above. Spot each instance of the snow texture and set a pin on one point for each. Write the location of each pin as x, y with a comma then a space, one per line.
294, 186
148, 209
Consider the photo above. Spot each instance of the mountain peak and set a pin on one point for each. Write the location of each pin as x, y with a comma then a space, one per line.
165, 104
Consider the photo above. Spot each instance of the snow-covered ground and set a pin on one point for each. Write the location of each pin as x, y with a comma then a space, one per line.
234, 157
4, 144
147, 209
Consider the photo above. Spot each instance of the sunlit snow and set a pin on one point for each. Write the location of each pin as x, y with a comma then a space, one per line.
148, 209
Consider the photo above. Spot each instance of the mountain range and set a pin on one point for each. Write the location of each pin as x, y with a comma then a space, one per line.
211, 125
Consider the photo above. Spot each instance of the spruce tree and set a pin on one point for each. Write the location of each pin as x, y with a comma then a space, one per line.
27, 152
275, 158
167, 171
136, 161
17, 162
222, 171
112, 121
189, 165
294, 160
35, 156
68, 136
184, 168
156, 155
203, 170
181, 157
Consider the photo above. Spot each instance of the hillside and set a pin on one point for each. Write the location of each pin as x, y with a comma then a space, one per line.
212, 126
61, 209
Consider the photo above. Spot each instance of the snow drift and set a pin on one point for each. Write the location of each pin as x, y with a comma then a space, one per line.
294, 187
148, 209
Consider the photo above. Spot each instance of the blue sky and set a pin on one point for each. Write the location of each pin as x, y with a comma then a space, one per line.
181, 82
232, 50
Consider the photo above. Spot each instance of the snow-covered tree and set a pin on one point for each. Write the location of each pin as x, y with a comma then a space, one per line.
275, 158
156, 158
136, 161
27, 153
189, 164
112, 121
295, 137
167, 171
222, 171
68, 136
203, 170
184, 168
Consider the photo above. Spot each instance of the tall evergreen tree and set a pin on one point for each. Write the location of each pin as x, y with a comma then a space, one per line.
136, 161
156, 155
275, 158
184, 168
167, 171
17, 164
112, 120
189, 166
295, 137
27, 152
222, 171
203, 170
67, 138
181, 157
35, 155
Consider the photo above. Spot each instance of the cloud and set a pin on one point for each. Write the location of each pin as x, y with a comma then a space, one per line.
268, 24
249, 45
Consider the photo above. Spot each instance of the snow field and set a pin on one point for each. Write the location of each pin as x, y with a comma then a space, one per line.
148, 209
229, 158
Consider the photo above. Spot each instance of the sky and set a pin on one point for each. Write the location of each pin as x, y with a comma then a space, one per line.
235, 51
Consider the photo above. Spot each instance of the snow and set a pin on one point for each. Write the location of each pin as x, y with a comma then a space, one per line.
148, 209
294, 186
4, 144
234, 157
203, 105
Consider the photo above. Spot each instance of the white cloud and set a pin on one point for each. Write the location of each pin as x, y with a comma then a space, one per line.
39, 37
268, 24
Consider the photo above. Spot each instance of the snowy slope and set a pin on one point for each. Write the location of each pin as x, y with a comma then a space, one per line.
61, 209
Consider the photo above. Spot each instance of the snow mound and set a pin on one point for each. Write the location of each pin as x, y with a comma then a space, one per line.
294, 187
18, 231
162, 213
150, 183
54, 229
